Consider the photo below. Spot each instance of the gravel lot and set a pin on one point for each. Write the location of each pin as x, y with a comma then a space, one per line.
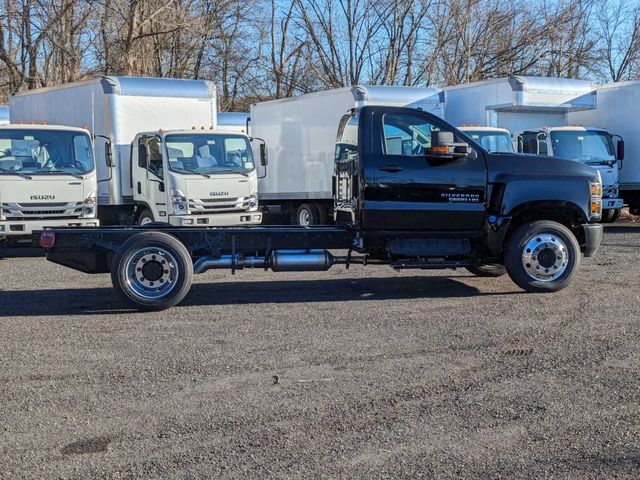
363, 373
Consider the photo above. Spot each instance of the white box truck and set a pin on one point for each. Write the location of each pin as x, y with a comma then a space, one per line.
300, 134
538, 111
164, 160
493, 139
47, 179
617, 111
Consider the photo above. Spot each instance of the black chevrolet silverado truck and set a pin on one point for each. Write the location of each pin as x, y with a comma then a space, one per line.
410, 191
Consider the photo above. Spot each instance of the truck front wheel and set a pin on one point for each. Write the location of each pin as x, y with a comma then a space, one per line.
610, 216
152, 271
145, 217
542, 256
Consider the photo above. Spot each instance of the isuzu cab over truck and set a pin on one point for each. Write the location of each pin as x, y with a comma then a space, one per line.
410, 191
47, 179
161, 158
591, 146
531, 104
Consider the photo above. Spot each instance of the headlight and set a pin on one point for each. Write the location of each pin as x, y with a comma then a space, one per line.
89, 207
179, 202
595, 187
253, 203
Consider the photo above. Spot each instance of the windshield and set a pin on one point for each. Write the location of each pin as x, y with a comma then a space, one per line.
32, 152
584, 146
492, 141
212, 153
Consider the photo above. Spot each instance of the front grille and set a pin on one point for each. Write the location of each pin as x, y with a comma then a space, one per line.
208, 206
26, 211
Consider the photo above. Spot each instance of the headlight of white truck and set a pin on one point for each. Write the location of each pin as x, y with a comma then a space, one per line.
179, 202
253, 203
89, 206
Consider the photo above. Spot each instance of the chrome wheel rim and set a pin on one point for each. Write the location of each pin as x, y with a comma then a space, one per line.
303, 217
545, 257
151, 272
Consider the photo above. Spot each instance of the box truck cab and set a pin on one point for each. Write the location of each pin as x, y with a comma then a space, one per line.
493, 139
591, 146
194, 177
47, 179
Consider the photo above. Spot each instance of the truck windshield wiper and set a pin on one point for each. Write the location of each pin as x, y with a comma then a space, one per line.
62, 172
230, 170
600, 162
15, 172
185, 170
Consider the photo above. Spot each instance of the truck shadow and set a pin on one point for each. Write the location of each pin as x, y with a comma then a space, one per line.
101, 301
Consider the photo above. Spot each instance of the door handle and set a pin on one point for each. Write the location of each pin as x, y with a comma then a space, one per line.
391, 168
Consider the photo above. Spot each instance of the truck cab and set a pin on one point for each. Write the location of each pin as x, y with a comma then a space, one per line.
492, 139
47, 179
194, 178
590, 146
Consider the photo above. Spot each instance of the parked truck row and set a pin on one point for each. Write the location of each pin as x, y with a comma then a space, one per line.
162, 153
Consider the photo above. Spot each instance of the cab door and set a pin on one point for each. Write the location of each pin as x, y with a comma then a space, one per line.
410, 191
148, 175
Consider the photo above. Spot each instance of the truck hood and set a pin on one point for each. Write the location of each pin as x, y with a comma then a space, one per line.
42, 189
219, 187
535, 167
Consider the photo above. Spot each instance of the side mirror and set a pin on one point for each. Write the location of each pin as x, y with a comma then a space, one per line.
541, 144
620, 149
264, 156
444, 148
108, 155
520, 141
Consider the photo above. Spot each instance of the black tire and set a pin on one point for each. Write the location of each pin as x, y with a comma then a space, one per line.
610, 216
487, 269
137, 291
544, 236
308, 211
145, 217
323, 216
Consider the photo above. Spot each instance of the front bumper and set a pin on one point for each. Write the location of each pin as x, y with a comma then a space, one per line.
217, 220
21, 228
612, 203
592, 238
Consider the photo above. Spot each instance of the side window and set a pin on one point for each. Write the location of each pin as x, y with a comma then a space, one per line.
407, 134
530, 143
82, 151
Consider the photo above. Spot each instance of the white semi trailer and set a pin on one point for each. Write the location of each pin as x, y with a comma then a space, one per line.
300, 134
47, 179
617, 111
163, 159
538, 111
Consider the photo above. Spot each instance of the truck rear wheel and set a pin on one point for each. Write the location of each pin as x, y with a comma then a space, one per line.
487, 269
152, 271
307, 215
542, 256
